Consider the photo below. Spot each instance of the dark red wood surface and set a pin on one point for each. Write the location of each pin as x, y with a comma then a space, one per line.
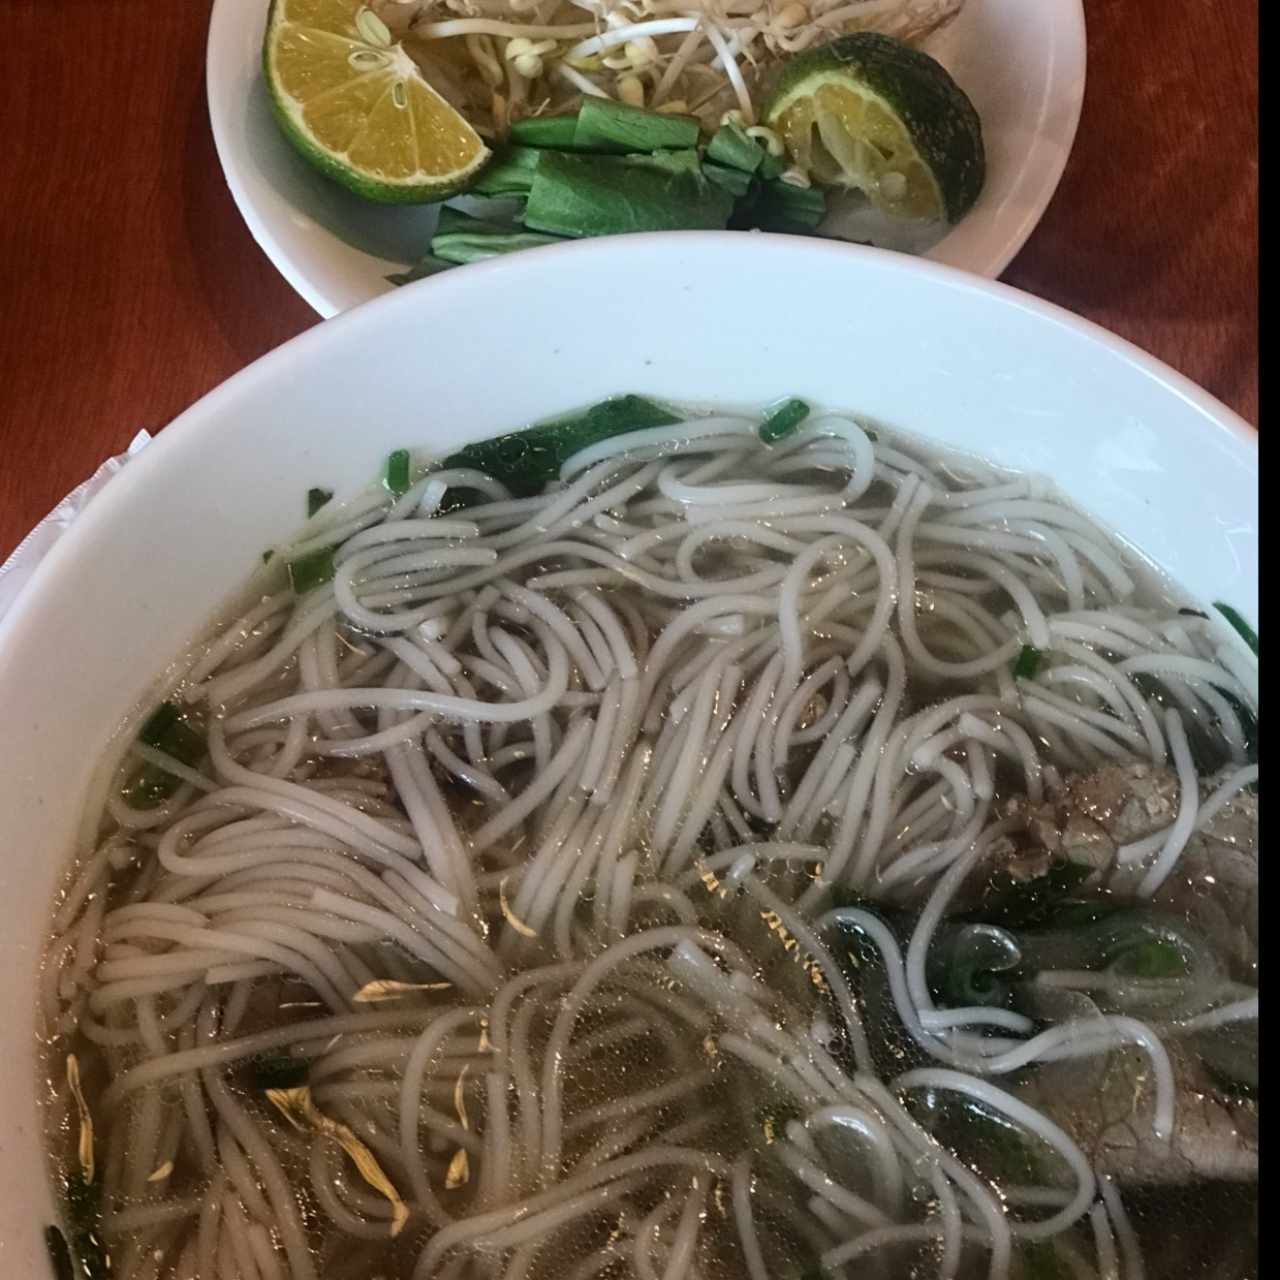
129, 286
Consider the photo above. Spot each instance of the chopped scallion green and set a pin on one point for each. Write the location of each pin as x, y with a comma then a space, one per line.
545, 131
168, 729
316, 498
1027, 663
1155, 958
1245, 631
397, 478
734, 181
311, 570
616, 128
783, 421
731, 146
788, 209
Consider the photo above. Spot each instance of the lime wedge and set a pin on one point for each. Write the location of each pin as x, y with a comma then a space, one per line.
868, 113
357, 106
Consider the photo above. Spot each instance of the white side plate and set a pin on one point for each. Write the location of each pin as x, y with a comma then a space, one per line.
1022, 63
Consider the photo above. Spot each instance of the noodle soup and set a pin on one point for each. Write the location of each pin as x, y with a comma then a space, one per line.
681, 845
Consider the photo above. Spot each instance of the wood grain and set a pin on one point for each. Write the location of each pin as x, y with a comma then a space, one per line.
129, 286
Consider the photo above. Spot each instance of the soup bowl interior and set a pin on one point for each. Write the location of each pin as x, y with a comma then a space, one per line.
700, 318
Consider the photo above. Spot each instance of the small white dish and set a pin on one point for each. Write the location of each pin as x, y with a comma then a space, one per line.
1023, 65
974, 365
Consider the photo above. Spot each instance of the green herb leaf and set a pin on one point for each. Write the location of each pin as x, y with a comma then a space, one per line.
783, 421
311, 570
1027, 663
275, 1071
461, 238
546, 131
598, 195
526, 460
170, 730
731, 146
150, 787
316, 498
509, 173
1245, 631
616, 128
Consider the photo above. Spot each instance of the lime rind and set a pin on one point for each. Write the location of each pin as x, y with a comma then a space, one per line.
914, 88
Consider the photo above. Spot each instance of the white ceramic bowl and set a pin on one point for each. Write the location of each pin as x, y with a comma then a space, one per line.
698, 317
1022, 63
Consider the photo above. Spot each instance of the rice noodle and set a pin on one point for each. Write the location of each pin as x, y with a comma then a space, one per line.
520, 841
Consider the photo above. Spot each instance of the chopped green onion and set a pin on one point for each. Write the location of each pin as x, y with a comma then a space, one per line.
168, 729
397, 479
510, 172
594, 195
771, 166
150, 786
266, 556
783, 421
545, 131
732, 147
734, 181
526, 460
316, 498
1027, 663
1246, 632
311, 570
1155, 958
617, 128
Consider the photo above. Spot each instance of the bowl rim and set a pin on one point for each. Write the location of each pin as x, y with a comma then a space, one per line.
188, 428
1035, 200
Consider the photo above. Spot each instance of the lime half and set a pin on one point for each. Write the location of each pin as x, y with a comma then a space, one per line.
355, 104
869, 113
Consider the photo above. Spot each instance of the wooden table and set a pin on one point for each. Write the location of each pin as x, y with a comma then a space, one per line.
129, 286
